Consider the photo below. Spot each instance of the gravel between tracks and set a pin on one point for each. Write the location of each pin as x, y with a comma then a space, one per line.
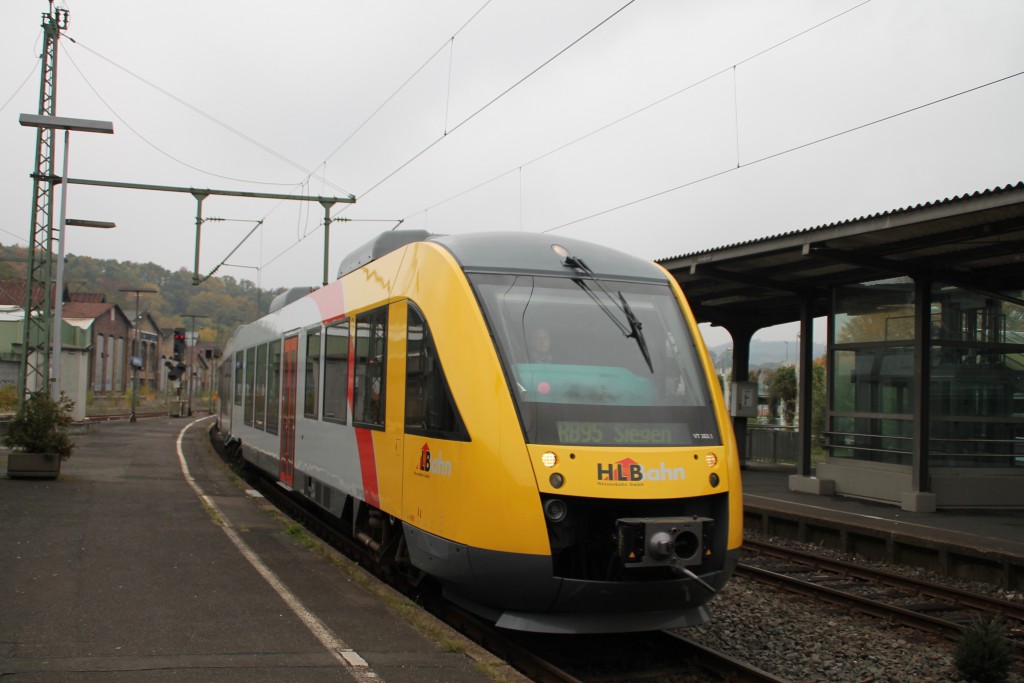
800, 639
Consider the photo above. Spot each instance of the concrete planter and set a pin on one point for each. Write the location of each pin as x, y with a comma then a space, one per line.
24, 465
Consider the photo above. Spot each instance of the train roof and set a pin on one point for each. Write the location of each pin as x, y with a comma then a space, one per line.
533, 252
511, 252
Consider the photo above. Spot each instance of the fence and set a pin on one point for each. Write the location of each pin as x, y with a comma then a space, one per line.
774, 445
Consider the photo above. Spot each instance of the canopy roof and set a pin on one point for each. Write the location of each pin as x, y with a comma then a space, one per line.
974, 241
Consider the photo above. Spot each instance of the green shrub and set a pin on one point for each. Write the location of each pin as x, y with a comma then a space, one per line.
41, 424
8, 398
984, 653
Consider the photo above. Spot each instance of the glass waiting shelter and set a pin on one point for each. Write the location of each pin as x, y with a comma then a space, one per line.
925, 345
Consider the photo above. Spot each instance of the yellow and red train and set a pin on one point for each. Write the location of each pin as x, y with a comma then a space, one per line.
531, 421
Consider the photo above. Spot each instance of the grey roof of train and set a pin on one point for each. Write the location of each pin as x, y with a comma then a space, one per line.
533, 252
519, 252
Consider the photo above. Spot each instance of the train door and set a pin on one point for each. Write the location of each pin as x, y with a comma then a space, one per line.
290, 366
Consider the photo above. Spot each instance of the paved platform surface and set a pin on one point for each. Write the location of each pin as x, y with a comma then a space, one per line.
143, 564
993, 534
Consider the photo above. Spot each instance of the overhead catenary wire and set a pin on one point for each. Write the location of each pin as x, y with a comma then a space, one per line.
407, 81
575, 141
495, 99
649, 106
210, 117
146, 140
783, 152
17, 90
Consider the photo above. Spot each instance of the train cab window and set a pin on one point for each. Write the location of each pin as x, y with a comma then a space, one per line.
369, 382
273, 386
634, 379
239, 376
310, 405
250, 381
336, 372
260, 394
430, 409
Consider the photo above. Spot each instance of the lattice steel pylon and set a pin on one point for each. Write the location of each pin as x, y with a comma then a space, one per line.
34, 371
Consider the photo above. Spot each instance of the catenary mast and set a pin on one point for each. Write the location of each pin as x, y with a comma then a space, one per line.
36, 351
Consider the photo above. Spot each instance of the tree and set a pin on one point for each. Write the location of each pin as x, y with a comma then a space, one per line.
782, 388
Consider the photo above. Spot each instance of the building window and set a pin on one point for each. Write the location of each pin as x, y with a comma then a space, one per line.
97, 368
369, 390
336, 372
429, 407
118, 363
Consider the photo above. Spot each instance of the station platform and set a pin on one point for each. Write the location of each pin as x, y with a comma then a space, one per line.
982, 545
147, 561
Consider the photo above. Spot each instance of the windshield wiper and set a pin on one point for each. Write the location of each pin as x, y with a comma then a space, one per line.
635, 329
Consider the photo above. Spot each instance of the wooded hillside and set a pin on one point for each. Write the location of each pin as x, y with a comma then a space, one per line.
225, 301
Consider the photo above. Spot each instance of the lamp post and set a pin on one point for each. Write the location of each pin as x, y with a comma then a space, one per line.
67, 125
136, 363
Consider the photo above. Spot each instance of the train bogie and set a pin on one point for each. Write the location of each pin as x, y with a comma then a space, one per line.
533, 423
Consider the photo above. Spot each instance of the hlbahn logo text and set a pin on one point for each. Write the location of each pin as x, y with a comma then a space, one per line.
433, 463
629, 470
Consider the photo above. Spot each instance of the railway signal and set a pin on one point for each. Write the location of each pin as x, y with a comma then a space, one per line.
179, 343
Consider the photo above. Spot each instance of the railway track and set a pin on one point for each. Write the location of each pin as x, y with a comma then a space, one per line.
656, 656
925, 605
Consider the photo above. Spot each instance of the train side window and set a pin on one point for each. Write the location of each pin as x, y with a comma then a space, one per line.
369, 393
273, 386
336, 372
261, 387
430, 409
250, 380
239, 376
310, 403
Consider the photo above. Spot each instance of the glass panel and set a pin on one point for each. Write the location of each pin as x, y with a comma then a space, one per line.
273, 386
310, 405
429, 407
578, 369
874, 312
336, 372
875, 438
239, 376
261, 387
977, 379
250, 382
369, 390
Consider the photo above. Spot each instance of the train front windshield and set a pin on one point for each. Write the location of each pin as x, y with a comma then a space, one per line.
598, 362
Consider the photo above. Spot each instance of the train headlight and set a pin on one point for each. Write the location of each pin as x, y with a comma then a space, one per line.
549, 459
556, 480
713, 479
555, 510
711, 459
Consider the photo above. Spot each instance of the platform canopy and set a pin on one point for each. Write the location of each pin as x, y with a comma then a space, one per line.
974, 241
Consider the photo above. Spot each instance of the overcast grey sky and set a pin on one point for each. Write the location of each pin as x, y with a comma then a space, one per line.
660, 127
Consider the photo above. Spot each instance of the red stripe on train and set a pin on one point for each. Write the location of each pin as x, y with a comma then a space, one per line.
368, 466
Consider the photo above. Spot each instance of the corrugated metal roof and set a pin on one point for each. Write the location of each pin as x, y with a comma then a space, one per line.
974, 240
849, 221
